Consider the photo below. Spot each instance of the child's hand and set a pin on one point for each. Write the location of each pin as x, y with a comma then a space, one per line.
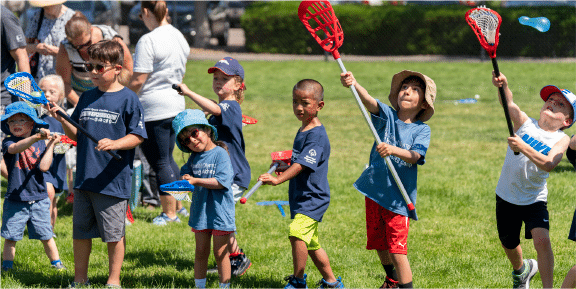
499, 81
189, 178
347, 79
53, 109
268, 179
385, 149
183, 89
515, 143
282, 166
106, 144
42, 133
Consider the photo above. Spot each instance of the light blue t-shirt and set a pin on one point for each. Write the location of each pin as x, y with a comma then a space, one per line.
377, 182
309, 192
211, 209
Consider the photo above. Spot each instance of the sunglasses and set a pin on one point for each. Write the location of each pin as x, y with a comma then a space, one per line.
83, 45
194, 133
99, 67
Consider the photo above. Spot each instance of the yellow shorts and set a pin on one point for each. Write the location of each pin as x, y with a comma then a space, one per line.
305, 229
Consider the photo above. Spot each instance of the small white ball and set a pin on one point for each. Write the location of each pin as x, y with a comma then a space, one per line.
36, 94
477, 96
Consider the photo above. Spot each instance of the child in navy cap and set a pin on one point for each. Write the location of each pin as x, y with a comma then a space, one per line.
28, 150
226, 116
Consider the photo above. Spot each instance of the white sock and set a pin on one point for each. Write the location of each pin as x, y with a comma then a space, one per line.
224, 285
200, 283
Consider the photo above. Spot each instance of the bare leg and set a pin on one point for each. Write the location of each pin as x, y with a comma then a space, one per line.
299, 256
545, 256
320, 259
9, 250
402, 266
168, 205
515, 257
53, 209
82, 249
233, 244
51, 249
202, 254
222, 255
570, 280
115, 258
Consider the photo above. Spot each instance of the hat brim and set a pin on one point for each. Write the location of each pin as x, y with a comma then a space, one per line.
44, 3
38, 123
429, 94
547, 90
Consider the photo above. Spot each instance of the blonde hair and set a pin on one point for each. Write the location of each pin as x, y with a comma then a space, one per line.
56, 79
77, 26
239, 94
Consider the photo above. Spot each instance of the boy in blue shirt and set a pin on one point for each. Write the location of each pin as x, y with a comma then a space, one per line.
405, 138
308, 192
28, 156
113, 114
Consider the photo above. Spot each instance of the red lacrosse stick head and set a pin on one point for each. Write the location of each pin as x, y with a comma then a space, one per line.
324, 20
485, 23
248, 120
65, 139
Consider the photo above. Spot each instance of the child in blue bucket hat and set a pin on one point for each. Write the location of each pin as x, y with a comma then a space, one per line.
209, 170
28, 154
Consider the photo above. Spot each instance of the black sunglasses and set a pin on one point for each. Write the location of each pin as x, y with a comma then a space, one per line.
194, 133
83, 45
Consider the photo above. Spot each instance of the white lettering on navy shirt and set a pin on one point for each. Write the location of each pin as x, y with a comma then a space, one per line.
99, 115
225, 106
310, 158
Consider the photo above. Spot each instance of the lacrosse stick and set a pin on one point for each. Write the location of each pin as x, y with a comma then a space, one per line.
178, 189
64, 145
485, 23
279, 204
325, 20
23, 85
248, 120
277, 157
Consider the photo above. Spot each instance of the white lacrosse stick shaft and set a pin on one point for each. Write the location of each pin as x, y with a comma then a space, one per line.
258, 184
378, 141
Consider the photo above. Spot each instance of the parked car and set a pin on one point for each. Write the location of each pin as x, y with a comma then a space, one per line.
97, 12
183, 18
234, 11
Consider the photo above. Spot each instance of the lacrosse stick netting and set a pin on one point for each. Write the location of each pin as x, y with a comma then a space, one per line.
486, 25
22, 85
324, 20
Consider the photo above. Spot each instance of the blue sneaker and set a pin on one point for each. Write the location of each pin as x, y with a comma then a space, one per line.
183, 212
337, 284
295, 282
163, 220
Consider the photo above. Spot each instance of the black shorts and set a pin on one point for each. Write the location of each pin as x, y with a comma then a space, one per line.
509, 218
572, 234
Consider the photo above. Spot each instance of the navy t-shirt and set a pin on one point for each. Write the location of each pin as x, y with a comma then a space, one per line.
12, 38
309, 192
25, 180
57, 173
229, 126
110, 115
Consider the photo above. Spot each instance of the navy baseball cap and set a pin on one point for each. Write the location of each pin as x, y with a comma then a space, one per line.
228, 66
547, 90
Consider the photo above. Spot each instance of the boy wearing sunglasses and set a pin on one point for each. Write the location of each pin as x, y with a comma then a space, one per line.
113, 114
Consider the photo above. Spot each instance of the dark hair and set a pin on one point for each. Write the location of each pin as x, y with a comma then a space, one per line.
107, 51
311, 85
414, 78
158, 8
77, 26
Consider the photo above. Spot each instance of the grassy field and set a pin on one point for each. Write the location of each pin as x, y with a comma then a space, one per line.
453, 245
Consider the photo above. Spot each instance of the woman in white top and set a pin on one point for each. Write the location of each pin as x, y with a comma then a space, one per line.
160, 61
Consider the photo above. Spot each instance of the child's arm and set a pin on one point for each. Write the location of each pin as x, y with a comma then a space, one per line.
517, 116
206, 104
70, 130
288, 174
127, 142
544, 162
408, 156
25, 143
347, 79
46, 161
209, 183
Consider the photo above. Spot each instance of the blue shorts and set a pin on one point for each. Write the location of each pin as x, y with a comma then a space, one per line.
17, 215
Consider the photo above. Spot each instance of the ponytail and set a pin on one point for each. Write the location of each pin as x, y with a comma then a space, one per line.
158, 8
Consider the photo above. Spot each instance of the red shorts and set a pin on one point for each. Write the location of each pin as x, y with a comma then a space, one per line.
387, 231
213, 232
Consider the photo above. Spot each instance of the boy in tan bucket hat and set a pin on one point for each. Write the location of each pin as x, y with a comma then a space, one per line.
405, 138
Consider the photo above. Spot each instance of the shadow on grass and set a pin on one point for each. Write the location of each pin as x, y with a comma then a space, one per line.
563, 167
45, 279
163, 257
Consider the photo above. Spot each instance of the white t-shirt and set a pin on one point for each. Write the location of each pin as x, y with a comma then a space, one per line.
521, 181
162, 53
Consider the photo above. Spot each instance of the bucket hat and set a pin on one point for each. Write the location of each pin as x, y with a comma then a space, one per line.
44, 3
429, 94
187, 118
547, 90
20, 107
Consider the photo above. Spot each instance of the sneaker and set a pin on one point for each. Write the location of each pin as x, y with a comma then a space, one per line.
112, 286
295, 282
163, 220
239, 264
70, 198
6, 269
80, 285
59, 266
337, 284
523, 280
389, 283
183, 212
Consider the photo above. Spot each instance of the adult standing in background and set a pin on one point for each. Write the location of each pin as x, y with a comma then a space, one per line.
13, 54
46, 38
73, 54
160, 61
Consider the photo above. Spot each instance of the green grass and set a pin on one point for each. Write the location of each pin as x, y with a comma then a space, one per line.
454, 244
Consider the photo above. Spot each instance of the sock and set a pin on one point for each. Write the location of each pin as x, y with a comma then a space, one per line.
519, 271
390, 272
7, 264
55, 262
224, 285
200, 283
407, 285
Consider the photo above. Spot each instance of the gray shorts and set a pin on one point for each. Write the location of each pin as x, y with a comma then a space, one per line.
98, 216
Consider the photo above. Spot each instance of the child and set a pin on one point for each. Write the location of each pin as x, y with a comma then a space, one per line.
405, 138
212, 210
228, 84
53, 87
308, 192
521, 193
26, 203
113, 114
